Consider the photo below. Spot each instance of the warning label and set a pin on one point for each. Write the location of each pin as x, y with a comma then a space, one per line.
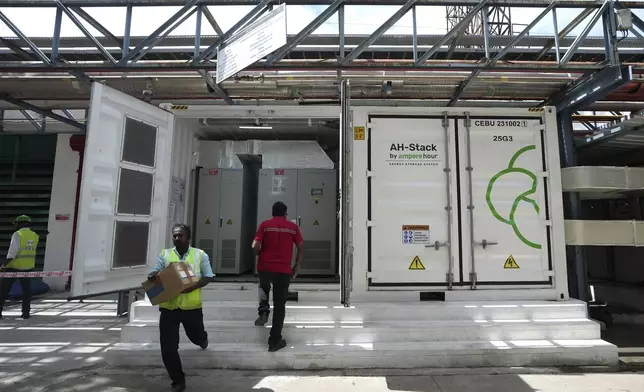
415, 234
510, 263
416, 264
207, 221
358, 133
316, 223
230, 222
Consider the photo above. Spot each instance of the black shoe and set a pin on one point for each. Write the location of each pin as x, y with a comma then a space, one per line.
261, 320
27, 317
277, 346
178, 387
204, 345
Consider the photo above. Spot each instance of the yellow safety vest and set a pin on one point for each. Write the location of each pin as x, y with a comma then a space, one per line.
25, 259
191, 300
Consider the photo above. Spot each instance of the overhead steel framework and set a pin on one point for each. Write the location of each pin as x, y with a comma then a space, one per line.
450, 67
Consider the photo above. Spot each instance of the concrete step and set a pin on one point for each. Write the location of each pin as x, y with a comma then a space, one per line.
383, 331
319, 312
405, 355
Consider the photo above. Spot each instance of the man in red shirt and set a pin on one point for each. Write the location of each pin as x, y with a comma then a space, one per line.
274, 245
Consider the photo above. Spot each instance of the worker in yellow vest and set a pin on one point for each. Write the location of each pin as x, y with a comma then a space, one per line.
20, 258
186, 308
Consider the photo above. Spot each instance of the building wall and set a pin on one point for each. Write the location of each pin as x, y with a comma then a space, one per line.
63, 194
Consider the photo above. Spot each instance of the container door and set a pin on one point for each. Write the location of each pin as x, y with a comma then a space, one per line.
230, 223
503, 205
123, 207
410, 213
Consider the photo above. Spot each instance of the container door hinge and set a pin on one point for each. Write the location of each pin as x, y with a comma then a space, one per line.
468, 121
445, 120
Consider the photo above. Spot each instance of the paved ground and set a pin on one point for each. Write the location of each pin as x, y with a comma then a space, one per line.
61, 349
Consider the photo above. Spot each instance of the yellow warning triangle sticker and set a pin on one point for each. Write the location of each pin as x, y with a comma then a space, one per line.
207, 221
316, 223
510, 263
230, 222
416, 264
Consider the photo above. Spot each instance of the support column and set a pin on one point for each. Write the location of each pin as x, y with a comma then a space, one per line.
577, 271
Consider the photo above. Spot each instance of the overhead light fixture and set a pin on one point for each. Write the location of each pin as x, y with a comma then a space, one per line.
255, 127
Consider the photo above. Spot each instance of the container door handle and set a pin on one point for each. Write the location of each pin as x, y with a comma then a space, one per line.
221, 221
437, 245
485, 243
299, 221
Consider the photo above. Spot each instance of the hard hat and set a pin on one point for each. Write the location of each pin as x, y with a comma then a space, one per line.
22, 219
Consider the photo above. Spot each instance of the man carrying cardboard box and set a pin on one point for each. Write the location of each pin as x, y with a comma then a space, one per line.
184, 309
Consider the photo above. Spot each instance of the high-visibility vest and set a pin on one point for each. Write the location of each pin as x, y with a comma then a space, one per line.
25, 259
191, 300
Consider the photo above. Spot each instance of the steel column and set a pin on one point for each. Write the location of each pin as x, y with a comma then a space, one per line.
577, 271
56, 38
341, 31
486, 32
610, 34
414, 36
379, 32
555, 25
128, 28
197, 51
305, 32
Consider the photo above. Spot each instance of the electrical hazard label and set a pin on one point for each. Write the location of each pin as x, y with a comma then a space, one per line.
316, 223
416, 264
415, 234
510, 263
207, 221
230, 222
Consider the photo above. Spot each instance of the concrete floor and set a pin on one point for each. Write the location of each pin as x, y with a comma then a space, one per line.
62, 347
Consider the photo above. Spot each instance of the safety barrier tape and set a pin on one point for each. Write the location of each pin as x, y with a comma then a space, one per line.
34, 274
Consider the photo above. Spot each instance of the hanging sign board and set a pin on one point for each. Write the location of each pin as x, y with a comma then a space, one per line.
253, 43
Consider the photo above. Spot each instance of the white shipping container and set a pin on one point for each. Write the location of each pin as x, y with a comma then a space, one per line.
445, 199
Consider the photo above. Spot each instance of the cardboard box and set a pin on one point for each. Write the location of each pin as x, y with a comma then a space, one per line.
169, 283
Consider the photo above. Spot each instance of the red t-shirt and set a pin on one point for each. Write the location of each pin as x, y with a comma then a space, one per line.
277, 236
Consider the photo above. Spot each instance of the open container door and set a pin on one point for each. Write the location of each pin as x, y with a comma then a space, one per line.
345, 250
123, 206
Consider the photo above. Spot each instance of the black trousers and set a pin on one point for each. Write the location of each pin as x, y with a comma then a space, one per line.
280, 283
5, 288
169, 322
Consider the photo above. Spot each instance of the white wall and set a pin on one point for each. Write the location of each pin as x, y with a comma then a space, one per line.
63, 194
184, 148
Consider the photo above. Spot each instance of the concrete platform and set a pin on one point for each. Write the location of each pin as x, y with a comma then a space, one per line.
382, 335
406, 355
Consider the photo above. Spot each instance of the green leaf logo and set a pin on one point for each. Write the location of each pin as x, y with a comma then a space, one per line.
523, 197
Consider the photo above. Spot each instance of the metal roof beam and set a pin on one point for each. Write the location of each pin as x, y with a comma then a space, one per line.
32, 120
86, 32
307, 31
582, 36
212, 85
590, 88
462, 24
462, 86
157, 40
98, 26
179, 3
211, 51
45, 112
563, 33
36, 51
212, 20
146, 42
379, 32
